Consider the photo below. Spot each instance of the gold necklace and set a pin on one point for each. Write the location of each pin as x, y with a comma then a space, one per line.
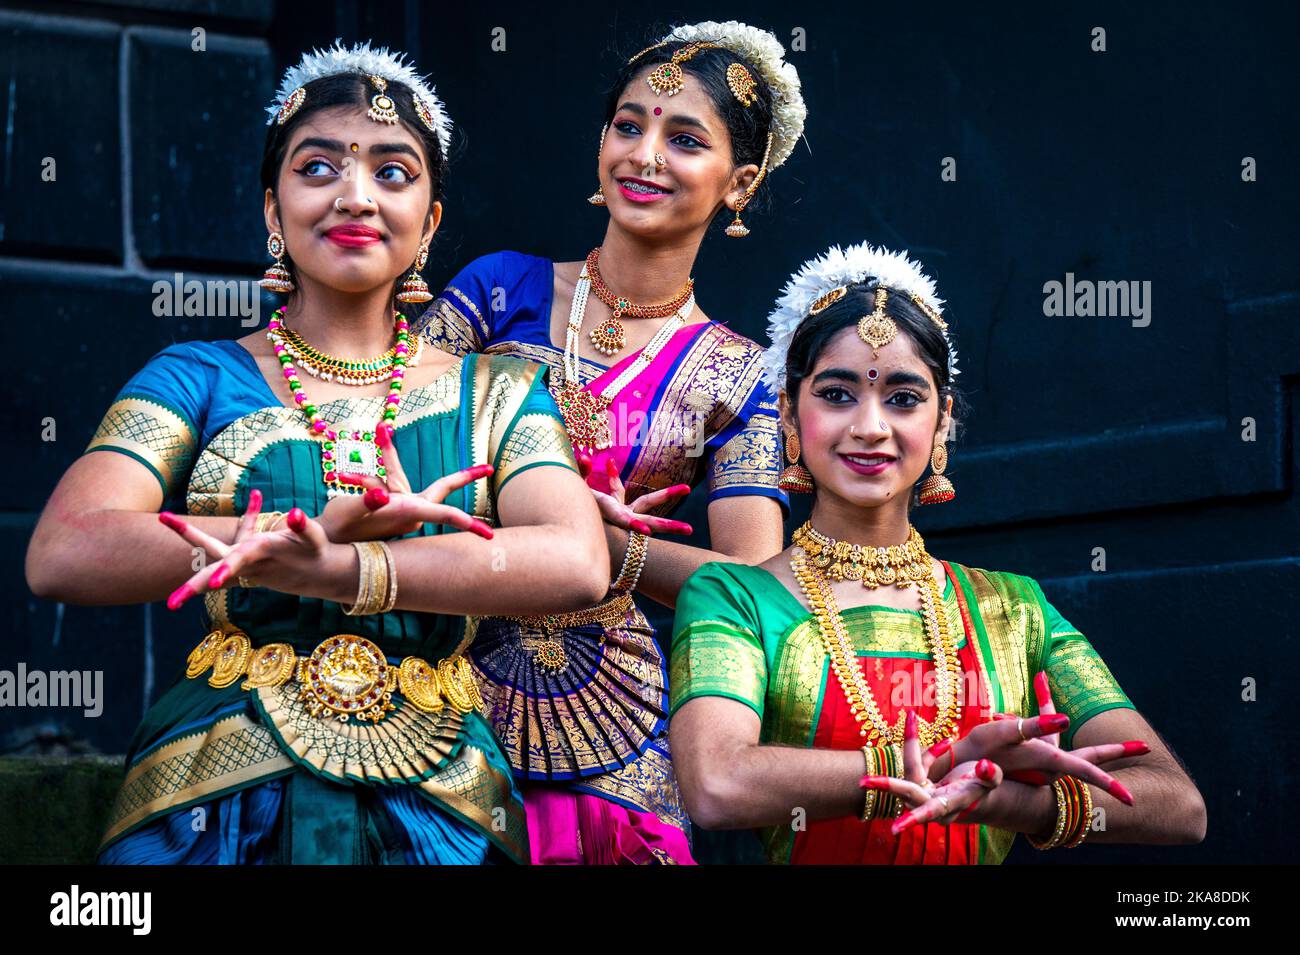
816, 587
901, 564
346, 371
609, 337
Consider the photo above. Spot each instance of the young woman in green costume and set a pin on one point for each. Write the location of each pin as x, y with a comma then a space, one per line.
854, 698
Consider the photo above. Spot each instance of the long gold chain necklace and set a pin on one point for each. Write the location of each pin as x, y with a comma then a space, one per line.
586, 414
609, 337
816, 586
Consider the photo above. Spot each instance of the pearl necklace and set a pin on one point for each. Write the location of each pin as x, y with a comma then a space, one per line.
344, 452
586, 414
838, 644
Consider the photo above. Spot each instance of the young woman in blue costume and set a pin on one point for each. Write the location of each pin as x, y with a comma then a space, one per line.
657, 397
329, 715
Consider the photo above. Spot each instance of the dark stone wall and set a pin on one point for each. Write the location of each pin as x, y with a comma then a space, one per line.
1083, 433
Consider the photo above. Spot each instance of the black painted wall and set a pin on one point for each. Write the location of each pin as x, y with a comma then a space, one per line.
1084, 432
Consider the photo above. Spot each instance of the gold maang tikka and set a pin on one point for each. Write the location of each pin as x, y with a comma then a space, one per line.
668, 77
877, 329
382, 108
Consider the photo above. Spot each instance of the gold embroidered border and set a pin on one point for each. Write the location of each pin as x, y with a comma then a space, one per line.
1012, 625
230, 753
152, 432
712, 657
481, 795
648, 783
537, 438
712, 381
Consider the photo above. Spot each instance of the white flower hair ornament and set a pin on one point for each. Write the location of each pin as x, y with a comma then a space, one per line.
377, 65
821, 281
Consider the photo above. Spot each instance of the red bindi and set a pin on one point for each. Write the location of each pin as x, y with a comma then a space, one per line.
658, 110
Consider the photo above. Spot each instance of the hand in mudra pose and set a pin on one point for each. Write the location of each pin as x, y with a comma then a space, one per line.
290, 557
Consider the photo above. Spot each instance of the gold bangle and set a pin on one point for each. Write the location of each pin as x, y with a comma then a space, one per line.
372, 583
390, 599
869, 803
633, 562
1079, 832
1058, 831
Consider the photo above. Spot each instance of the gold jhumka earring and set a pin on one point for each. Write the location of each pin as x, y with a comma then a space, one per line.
415, 289
597, 198
936, 489
276, 278
738, 229
795, 479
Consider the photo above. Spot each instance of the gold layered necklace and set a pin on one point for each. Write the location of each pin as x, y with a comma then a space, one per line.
609, 337
817, 562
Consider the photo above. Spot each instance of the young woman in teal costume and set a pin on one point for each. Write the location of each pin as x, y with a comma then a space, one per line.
328, 716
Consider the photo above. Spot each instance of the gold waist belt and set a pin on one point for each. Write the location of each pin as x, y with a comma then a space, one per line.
610, 614
346, 675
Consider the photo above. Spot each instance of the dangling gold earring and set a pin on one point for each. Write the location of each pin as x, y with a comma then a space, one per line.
738, 229
597, 198
936, 489
276, 278
414, 288
796, 479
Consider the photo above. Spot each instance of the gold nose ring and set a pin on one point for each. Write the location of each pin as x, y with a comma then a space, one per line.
660, 161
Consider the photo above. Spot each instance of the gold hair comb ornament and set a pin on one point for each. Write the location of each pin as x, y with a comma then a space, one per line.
291, 105
929, 310
826, 300
382, 108
877, 329
742, 84
426, 115
669, 77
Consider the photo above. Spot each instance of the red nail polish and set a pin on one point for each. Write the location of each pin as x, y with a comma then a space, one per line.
909, 727
181, 594
483, 530
375, 498
384, 435
296, 519
641, 527
481, 470
1053, 722
680, 489
1135, 747
902, 822
874, 782
1041, 689
985, 770
1117, 789
219, 575
254, 500
171, 520
611, 468
941, 747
